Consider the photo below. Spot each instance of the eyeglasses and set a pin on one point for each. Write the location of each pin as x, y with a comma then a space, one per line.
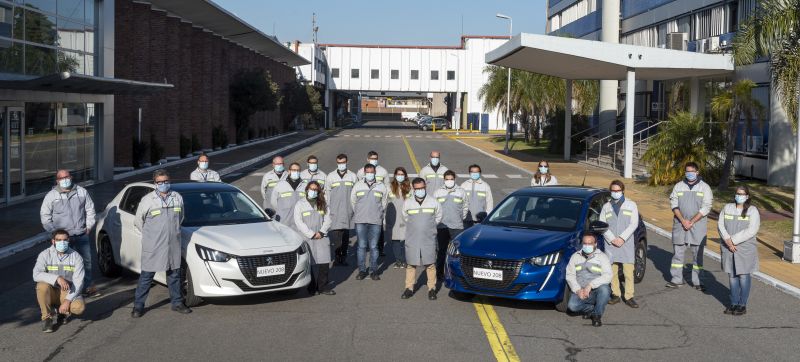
67, 239
162, 182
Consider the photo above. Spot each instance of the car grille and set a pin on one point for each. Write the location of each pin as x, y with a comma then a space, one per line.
246, 288
510, 270
514, 290
249, 264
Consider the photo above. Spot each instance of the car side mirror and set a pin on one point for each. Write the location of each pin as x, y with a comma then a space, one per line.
598, 227
271, 213
480, 216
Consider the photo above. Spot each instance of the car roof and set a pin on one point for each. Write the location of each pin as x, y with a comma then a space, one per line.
581, 192
185, 185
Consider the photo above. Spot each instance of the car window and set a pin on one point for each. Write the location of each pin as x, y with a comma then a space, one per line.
132, 198
535, 212
208, 208
595, 206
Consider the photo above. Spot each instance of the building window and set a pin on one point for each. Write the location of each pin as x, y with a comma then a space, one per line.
354, 73
335, 73
434, 75
374, 73
414, 74
395, 74
451, 75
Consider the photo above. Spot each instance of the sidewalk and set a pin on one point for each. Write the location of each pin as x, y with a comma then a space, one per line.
653, 203
21, 221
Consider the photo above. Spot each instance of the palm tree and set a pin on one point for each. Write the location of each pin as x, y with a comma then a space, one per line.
774, 31
730, 106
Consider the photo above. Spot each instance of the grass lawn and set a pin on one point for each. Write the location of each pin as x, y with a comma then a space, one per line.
519, 145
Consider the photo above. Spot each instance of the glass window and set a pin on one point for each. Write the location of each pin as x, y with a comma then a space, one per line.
354, 73
395, 74
89, 39
6, 20
593, 214
89, 14
451, 75
70, 62
11, 57
75, 141
19, 23
434, 75
220, 208
374, 73
71, 35
134, 195
72, 9
414, 74
41, 147
39, 60
40, 28
535, 212
335, 73
44, 5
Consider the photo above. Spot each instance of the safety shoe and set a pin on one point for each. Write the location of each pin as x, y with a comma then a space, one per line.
614, 300
432, 294
407, 294
47, 325
181, 308
673, 285
597, 321
361, 275
586, 316
700, 287
63, 319
730, 309
328, 292
374, 276
741, 310
136, 313
631, 303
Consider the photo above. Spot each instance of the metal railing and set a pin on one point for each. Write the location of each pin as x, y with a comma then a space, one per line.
613, 143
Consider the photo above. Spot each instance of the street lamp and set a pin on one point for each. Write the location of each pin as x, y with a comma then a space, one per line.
508, 100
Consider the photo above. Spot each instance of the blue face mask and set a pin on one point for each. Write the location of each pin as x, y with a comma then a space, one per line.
419, 193
434, 161
587, 249
543, 169
163, 188
65, 183
691, 176
341, 166
369, 177
294, 175
279, 168
312, 194
400, 178
373, 162
313, 167
62, 246
203, 165
475, 175
740, 199
616, 195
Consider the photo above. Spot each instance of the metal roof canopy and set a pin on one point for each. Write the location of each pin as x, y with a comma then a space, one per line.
580, 59
78, 83
211, 16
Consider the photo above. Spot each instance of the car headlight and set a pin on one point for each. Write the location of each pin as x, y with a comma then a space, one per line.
547, 259
452, 250
209, 254
302, 249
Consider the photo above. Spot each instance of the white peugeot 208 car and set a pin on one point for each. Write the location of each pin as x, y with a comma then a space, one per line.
230, 245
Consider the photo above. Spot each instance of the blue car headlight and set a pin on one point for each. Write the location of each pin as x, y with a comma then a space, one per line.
209, 254
452, 250
547, 259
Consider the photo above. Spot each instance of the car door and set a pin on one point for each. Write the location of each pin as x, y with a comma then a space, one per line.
131, 245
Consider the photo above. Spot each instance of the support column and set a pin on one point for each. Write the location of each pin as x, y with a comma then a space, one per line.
791, 248
694, 95
630, 96
568, 122
608, 88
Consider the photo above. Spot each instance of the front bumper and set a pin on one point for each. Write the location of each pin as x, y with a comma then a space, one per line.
533, 283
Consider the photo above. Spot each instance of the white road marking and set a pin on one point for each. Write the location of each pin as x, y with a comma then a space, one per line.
398, 136
462, 175
367, 135
489, 176
258, 174
413, 175
514, 176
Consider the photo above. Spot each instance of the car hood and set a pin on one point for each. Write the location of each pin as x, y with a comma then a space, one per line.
512, 243
241, 237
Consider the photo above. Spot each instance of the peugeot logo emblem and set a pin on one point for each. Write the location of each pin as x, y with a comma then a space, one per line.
488, 263
269, 260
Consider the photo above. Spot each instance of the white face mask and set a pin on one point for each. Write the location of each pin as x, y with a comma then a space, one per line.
449, 183
616, 195
294, 175
373, 162
369, 177
341, 166
313, 167
419, 193
543, 169
65, 183
434, 161
203, 165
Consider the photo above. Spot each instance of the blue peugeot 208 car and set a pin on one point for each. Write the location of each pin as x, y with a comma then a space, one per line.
521, 249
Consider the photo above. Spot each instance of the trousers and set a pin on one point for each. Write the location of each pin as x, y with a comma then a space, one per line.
678, 261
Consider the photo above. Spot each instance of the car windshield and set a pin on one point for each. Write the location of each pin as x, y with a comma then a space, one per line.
537, 212
208, 208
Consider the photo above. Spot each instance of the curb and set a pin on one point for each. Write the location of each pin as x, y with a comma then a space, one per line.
765, 278
30, 242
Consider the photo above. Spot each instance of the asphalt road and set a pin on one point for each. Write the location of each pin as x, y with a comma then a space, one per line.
367, 320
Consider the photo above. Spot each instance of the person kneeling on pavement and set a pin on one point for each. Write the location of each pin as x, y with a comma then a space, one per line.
588, 276
58, 274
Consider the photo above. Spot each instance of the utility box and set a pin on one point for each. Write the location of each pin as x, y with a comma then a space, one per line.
484, 122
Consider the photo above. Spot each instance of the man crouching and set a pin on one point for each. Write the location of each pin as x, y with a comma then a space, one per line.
59, 278
588, 276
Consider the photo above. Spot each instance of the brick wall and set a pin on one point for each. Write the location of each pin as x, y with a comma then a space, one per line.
152, 46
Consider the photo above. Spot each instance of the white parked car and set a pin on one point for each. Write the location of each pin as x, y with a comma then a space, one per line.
230, 245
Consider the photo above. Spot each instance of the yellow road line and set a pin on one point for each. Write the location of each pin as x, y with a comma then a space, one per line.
495, 332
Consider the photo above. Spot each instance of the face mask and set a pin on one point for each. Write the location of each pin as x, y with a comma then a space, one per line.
475, 175
400, 178
294, 175
434, 161
313, 167
740, 199
312, 194
341, 166
691, 176
373, 162
616, 195
65, 183
419, 193
278, 168
587, 249
369, 177
203, 165
449, 183
163, 188
62, 246
543, 169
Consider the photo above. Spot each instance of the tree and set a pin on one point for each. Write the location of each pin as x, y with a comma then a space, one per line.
774, 31
683, 138
251, 91
730, 106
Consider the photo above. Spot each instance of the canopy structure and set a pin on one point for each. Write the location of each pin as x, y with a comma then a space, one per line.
578, 59
78, 83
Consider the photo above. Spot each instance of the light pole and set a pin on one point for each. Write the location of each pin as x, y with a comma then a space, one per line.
791, 248
508, 100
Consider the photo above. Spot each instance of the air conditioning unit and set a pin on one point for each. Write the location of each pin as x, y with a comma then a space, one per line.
677, 41
713, 44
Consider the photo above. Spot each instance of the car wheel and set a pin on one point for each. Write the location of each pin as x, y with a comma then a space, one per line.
189, 298
562, 305
105, 258
640, 261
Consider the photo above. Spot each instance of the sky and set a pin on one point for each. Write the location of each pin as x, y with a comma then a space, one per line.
403, 22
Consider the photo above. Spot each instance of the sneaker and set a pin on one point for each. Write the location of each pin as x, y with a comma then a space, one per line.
614, 300
730, 309
361, 275
47, 325
136, 313
673, 285
328, 292
597, 321
374, 276
396, 265
63, 319
631, 303
432, 294
407, 294
700, 287
181, 308
741, 310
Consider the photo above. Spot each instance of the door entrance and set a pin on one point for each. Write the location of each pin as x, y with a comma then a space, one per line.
12, 177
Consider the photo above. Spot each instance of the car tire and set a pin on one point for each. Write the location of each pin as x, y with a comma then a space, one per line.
189, 298
640, 261
562, 305
105, 258
461, 295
